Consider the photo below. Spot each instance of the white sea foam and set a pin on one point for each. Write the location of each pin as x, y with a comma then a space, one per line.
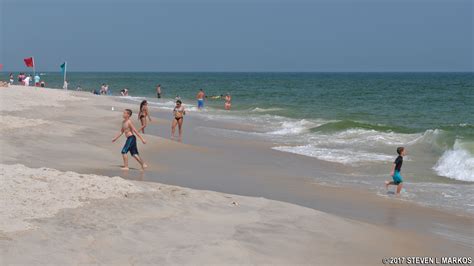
163, 105
343, 156
456, 163
292, 127
264, 110
150, 102
166, 104
272, 125
133, 98
366, 137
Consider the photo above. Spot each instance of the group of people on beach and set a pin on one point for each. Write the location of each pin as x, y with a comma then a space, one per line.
25, 79
200, 97
178, 114
144, 117
104, 90
124, 92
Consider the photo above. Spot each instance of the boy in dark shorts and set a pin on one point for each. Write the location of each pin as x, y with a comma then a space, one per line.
158, 91
395, 172
131, 144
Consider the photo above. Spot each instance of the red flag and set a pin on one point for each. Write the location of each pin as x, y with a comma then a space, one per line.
29, 62
1, 66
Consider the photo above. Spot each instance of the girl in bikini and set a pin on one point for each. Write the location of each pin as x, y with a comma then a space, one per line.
143, 114
178, 113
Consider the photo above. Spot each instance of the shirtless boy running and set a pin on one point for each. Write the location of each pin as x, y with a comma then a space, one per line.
131, 144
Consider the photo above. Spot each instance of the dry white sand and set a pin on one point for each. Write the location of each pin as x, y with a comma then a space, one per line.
17, 98
8, 122
28, 193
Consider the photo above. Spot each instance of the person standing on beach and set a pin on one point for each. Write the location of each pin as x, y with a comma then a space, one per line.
178, 113
26, 81
11, 79
131, 144
37, 80
143, 115
228, 101
395, 172
102, 88
20, 78
158, 91
200, 98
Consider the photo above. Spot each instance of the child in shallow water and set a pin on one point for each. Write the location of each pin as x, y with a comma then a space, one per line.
395, 172
131, 144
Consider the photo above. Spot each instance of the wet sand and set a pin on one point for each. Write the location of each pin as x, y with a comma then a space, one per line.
181, 225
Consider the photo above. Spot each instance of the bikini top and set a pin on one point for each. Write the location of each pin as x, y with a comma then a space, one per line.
179, 110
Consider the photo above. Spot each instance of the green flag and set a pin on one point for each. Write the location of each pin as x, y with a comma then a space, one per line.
63, 67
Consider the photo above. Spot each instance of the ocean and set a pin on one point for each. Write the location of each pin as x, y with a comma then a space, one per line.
354, 120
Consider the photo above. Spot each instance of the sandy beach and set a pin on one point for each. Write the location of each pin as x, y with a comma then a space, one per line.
208, 200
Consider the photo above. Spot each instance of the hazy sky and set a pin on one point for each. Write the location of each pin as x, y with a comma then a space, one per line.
238, 35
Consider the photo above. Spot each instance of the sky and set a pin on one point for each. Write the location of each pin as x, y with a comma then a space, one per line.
238, 35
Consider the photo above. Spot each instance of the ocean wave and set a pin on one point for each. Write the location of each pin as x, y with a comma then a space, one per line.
132, 98
439, 140
342, 125
292, 127
271, 125
164, 105
264, 110
456, 163
343, 156
362, 137
344, 132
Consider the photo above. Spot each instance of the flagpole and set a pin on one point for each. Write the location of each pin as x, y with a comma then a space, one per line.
65, 69
34, 67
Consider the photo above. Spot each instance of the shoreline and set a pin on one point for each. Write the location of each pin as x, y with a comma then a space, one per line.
82, 134
440, 193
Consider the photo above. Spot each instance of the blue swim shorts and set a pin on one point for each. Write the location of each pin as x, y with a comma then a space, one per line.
397, 178
130, 146
200, 103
